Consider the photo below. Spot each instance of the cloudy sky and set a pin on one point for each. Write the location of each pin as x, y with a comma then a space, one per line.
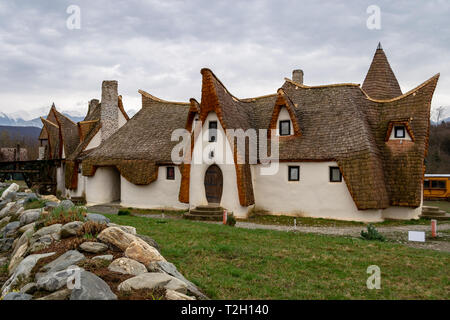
161, 45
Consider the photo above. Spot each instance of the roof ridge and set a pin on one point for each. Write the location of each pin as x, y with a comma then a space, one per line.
60, 114
42, 119
323, 85
436, 76
148, 95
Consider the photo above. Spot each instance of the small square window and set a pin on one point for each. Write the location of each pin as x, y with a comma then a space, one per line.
399, 132
294, 173
285, 127
335, 174
426, 184
441, 184
170, 173
212, 131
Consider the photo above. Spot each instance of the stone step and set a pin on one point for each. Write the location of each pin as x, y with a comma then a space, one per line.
203, 217
197, 212
215, 208
444, 217
430, 208
434, 213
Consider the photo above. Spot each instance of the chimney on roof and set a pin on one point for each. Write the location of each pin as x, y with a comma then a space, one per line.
92, 105
297, 76
109, 115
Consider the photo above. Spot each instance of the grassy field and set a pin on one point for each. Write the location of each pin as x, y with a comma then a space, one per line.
443, 205
234, 263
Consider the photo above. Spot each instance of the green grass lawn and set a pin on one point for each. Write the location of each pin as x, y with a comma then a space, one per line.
443, 205
235, 263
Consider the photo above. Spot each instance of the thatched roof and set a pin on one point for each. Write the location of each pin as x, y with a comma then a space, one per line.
53, 136
339, 122
143, 142
380, 81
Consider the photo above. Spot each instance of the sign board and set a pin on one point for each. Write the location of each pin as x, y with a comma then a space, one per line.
418, 236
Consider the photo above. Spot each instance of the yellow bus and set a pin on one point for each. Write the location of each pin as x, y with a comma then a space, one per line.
436, 187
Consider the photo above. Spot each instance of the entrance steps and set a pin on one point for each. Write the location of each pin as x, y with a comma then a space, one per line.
205, 213
434, 213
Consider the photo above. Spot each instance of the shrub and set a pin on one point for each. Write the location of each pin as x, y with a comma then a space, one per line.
34, 204
91, 229
63, 216
231, 220
124, 213
372, 234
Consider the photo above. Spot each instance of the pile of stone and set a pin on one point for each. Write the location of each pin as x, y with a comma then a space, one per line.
24, 240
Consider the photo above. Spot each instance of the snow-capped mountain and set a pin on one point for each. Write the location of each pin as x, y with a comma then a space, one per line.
32, 118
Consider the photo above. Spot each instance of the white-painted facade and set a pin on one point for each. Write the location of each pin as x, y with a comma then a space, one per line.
160, 194
312, 196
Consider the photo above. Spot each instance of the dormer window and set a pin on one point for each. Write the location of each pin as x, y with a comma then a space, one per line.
399, 132
212, 130
285, 127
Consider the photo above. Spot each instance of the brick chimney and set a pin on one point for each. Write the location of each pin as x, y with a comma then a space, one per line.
297, 76
109, 109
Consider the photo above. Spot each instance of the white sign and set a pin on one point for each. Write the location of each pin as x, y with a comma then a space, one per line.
416, 236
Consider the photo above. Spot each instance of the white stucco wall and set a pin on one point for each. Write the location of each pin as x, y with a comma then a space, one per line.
315, 196
230, 196
104, 186
312, 196
81, 188
95, 141
60, 179
284, 115
160, 194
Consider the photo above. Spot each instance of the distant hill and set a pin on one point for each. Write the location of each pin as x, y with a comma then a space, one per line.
6, 120
20, 133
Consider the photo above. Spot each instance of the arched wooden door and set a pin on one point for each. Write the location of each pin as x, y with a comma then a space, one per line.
213, 184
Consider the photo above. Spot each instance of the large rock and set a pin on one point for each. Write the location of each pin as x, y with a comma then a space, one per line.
92, 288
17, 296
11, 228
127, 229
6, 244
50, 230
17, 257
127, 266
22, 240
71, 229
41, 243
4, 221
143, 252
152, 280
106, 257
66, 204
174, 295
93, 247
50, 205
3, 204
149, 240
72, 257
62, 294
170, 269
23, 270
97, 218
29, 216
5, 211
26, 227
50, 197
13, 188
30, 197
53, 281
116, 237
29, 288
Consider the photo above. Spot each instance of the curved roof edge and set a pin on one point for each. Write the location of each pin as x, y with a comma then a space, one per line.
148, 95
420, 86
